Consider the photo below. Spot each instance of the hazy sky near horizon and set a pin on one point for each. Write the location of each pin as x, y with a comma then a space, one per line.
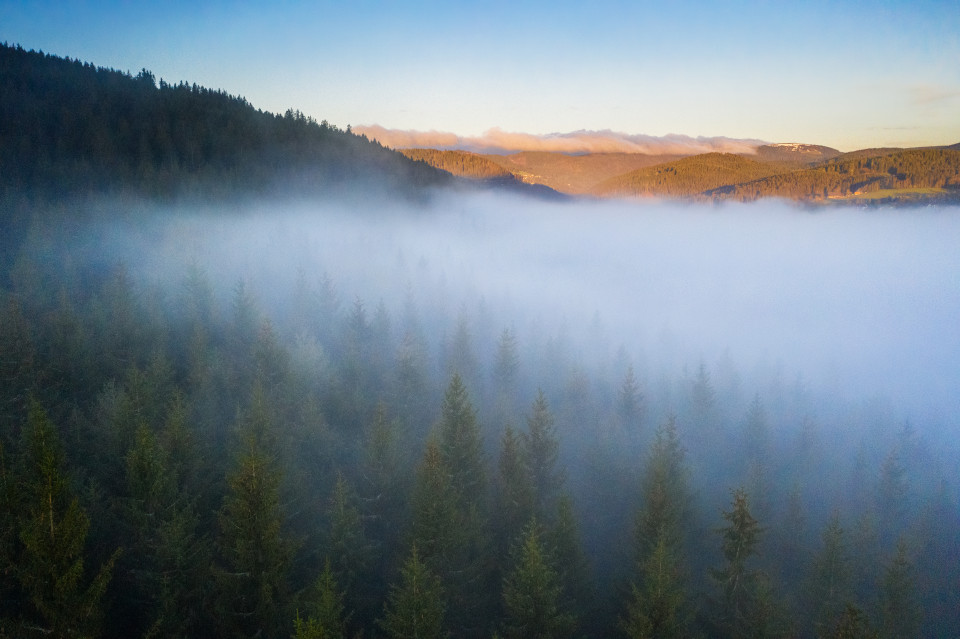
840, 73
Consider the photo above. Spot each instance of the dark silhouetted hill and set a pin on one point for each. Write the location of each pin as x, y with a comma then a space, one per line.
73, 127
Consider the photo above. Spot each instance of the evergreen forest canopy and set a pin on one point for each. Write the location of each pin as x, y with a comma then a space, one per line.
228, 413
74, 128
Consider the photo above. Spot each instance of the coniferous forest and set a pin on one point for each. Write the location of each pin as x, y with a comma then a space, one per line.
245, 393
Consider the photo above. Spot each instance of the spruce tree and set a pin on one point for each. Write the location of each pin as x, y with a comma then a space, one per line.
829, 587
852, 623
52, 534
348, 549
737, 580
532, 592
347, 542
254, 554
458, 438
437, 527
573, 569
415, 608
541, 450
658, 602
385, 489
324, 609
656, 608
514, 491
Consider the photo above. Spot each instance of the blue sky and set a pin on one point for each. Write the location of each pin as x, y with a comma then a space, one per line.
844, 74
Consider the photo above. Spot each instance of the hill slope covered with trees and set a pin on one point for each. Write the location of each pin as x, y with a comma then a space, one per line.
687, 176
461, 163
893, 173
72, 127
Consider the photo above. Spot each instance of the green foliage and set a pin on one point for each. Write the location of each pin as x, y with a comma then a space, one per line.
746, 606
458, 438
829, 586
658, 603
852, 623
255, 555
74, 126
325, 619
656, 608
437, 526
532, 591
573, 569
541, 449
451, 533
665, 492
53, 531
385, 487
415, 608
514, 489
347, 544
308, 628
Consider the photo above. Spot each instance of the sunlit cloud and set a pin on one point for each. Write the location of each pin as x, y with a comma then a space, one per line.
498, 141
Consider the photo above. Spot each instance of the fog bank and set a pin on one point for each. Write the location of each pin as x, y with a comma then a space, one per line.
863, 301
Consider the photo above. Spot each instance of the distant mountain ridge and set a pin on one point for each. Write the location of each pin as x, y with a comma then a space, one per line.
72, 128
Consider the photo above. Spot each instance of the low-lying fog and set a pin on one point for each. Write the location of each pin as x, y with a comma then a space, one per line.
808, 356
866, 302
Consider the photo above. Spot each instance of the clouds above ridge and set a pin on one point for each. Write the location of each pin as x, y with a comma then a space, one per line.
498, 141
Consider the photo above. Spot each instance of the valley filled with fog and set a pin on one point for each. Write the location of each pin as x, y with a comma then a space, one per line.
850, 302
618, 370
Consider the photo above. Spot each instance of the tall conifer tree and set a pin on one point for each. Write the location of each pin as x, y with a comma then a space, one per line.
53, 530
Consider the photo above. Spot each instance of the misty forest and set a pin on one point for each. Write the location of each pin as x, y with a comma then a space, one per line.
262, 377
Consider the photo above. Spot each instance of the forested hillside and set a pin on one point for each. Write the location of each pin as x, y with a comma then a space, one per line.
575, 174
687, 177
844, 177
73, 128
460, 163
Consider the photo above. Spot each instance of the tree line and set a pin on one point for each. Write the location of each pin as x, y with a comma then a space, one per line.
75, 128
